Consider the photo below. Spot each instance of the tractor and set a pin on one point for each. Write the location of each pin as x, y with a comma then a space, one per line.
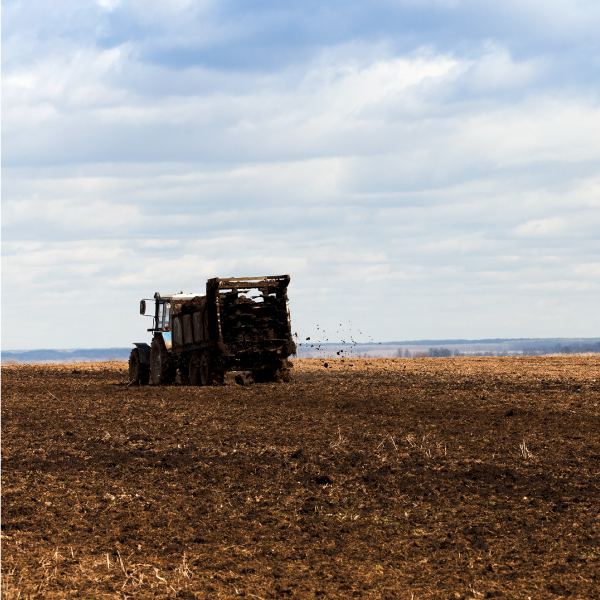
240, 324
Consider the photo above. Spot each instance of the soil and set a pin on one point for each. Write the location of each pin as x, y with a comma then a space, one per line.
368, 478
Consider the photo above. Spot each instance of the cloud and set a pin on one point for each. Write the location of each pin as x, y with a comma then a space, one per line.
422, 169
541, 227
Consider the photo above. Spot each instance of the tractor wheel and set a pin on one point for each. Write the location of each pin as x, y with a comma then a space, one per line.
201, 370
138, 372
162, 366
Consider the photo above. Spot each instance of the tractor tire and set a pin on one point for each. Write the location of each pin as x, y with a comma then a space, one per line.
162, 366
201, 370
139, 372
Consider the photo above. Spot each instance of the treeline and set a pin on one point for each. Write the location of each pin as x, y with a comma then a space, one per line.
563, 349
431, 353
575, 348
65, 356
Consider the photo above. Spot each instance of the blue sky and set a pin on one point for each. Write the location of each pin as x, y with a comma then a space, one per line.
422, 169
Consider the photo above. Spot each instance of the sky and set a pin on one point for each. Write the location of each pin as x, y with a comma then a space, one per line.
423, 169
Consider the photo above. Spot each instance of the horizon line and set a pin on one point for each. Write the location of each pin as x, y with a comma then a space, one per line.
371, 343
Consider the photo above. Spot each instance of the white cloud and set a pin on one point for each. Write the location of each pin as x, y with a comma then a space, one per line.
108, 5
420, 193
496, 71
541, 227
590, 271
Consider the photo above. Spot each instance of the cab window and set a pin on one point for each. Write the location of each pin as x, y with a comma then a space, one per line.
164, 313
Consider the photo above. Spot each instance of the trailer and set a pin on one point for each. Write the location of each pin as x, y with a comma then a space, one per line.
240, 324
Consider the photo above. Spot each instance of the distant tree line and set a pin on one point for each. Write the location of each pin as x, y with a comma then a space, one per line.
563, 349
575, 348
64, 356
431, 353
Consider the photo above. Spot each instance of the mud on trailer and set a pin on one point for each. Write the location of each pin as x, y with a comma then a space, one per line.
241, 324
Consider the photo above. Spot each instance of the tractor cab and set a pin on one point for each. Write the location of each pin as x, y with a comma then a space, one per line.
161, 316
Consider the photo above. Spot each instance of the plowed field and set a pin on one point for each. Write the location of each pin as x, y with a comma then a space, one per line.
373, 478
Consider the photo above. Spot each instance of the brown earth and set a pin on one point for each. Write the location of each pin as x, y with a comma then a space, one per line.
373, 478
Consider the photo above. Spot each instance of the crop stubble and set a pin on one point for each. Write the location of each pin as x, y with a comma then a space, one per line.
374, 478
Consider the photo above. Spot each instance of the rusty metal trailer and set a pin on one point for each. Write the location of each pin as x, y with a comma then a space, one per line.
241, 324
